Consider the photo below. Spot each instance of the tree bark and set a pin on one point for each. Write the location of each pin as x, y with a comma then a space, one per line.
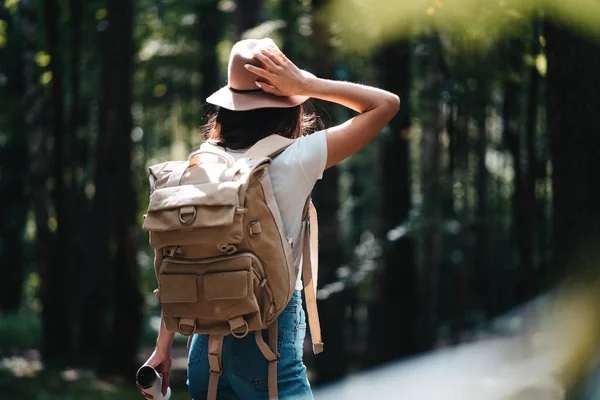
77, 149
210, 27
530, 280
573, 102
290, 11
115, 161
432, 126
395, 295
95, 302
57, 311
462, 274
331, 364
524, 164
14, 169
248, 14
482, 261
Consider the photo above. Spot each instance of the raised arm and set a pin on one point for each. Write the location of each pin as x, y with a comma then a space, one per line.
376, 106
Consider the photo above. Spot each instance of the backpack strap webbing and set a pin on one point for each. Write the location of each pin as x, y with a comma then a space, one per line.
215, 360
310, 271
269, 146
270, 352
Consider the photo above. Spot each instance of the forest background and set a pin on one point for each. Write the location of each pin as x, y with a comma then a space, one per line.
479, 195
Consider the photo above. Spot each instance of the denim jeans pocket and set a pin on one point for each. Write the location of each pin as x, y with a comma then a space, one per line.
300, 335
249, 364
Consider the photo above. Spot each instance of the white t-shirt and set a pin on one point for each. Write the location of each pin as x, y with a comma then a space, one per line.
294, 173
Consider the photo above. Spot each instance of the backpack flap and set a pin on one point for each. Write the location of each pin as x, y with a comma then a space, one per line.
192, 206
210, 210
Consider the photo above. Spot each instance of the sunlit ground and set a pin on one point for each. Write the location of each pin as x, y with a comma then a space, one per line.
537, 351
551, 348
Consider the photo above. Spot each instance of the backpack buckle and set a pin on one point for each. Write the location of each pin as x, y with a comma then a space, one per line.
227, 248
235, 324
187, 322
187, 214
171, 251
254, 228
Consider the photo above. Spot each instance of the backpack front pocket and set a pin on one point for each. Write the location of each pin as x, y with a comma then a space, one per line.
210, 293
195, 214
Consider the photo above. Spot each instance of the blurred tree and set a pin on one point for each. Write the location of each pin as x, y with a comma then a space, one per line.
76, 146
573, 102
290, 11
536, 166
331, 364
461, 274
57, 311
482, 256
523, 154
395, 303
95, 297
115, 187
248, 14
210, 30
14, 167
431, 67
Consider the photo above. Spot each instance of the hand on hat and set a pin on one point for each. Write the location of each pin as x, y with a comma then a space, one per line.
281, 76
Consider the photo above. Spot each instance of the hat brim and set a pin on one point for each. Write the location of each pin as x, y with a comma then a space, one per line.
236, 101
225, 98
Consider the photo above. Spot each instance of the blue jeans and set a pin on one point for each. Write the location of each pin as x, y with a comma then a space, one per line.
245, 369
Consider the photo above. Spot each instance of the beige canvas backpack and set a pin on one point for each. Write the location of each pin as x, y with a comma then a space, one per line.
223, 263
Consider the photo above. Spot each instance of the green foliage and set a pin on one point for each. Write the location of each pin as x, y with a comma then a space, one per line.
481, 23
20, 331
51, 385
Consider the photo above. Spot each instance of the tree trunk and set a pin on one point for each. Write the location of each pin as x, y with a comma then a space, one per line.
331, 364
483, 260
432, 126
116, 163
530, 280
14, 169
76, 148
95, 301
248, 14
461, 273
395, 294
290, 11
57, 308
573, 101
524, 195
210, 26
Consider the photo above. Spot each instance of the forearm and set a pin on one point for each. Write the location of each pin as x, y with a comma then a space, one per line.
164, 342
359, 98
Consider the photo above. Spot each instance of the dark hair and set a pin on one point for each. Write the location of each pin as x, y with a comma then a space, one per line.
241, 129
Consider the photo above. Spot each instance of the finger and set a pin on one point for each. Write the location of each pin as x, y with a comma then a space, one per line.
268, 88
275, 59
165, 383
278, 53
266, 60
258, 71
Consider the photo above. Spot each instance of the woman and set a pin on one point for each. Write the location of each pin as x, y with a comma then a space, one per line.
264, 96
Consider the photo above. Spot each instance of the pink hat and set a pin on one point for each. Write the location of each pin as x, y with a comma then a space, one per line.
242, 94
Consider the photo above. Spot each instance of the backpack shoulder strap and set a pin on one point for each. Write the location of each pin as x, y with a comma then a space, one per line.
269, 146
310, 270
215, 360
194, 158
